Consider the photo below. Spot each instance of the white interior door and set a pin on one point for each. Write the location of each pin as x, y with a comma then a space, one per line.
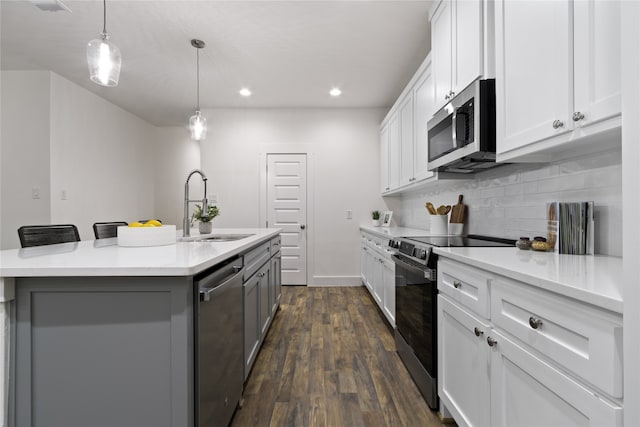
287, 209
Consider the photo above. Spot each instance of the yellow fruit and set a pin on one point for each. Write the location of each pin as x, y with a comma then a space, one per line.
148, 224
154, 222
135, 224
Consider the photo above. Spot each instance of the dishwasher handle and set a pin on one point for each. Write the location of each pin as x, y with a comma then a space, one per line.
235, 272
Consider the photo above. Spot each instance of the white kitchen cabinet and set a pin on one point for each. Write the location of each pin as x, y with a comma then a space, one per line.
557, 76
405, 113
525, 390
378, 272
384, 159
457, 45
463, 364
423, 110
531, 358
389, 290
394, 151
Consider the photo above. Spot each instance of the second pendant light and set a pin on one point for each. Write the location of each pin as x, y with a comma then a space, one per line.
197, 122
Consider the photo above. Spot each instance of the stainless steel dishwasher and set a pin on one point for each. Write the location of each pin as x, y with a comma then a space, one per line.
219, 341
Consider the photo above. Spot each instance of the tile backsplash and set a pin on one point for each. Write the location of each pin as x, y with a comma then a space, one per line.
511, 201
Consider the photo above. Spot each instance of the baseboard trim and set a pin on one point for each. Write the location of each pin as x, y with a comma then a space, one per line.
346, 281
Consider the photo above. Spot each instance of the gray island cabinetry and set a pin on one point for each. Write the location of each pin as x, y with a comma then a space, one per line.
108, 336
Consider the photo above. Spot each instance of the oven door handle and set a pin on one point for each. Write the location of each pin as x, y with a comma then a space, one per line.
425, 272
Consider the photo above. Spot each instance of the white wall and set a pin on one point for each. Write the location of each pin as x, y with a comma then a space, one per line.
510, 201
176, 156
60, 137
343, 146
24, 148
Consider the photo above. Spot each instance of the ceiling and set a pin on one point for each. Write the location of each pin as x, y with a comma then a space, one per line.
288, 53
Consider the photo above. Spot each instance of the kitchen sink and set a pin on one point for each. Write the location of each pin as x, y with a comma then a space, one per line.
222, 237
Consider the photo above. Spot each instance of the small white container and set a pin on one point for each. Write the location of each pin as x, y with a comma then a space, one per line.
439, 225
455, 229
147, 236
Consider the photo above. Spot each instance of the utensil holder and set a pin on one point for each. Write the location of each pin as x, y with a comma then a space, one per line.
455, 228
439, 225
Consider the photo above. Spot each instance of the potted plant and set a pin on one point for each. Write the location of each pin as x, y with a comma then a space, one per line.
205, 225
375, 216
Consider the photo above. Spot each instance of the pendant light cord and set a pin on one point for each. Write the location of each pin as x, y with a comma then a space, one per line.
197, 78
104, 17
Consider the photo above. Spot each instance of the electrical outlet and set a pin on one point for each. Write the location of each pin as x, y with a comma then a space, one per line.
35, 192
63, 195
213, 199
349, 214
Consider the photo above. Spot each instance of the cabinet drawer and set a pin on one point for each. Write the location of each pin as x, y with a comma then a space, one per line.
275, 245
466, 285
580, 338
255, 258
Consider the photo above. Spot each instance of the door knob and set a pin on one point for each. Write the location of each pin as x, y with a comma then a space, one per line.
302, 226
577, 116
557, 124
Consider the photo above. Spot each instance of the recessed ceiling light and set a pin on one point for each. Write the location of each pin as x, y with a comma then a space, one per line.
245, 92
335, 92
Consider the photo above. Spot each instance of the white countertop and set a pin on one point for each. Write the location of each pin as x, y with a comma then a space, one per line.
394, 231
105, 258
594, 279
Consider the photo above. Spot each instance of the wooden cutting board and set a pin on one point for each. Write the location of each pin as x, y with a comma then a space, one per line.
457, 212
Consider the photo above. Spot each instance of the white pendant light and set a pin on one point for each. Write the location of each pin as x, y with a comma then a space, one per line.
104, 57
197, 122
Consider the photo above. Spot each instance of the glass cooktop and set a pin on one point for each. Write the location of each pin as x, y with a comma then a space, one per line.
463, 241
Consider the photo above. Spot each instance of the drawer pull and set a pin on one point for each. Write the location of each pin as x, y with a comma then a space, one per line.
491, 341
456, 284
534, 323
477, 331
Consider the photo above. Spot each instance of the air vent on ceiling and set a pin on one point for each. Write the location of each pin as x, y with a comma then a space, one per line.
51, 5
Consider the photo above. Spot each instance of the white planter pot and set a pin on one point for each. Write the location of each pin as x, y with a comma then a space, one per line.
205, 227
375, 222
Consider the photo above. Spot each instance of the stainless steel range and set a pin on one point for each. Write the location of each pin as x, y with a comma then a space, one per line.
416, 298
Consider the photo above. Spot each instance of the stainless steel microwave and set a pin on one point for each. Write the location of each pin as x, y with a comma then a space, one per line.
462, 135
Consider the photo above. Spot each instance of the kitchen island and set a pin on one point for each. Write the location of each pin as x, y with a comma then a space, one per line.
104, 335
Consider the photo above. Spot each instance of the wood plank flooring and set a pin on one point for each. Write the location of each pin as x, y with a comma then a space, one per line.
329, 360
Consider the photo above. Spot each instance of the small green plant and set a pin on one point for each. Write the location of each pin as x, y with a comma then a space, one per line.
213, 212
375, 215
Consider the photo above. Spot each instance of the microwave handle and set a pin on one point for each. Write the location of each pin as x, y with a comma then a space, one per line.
454, 118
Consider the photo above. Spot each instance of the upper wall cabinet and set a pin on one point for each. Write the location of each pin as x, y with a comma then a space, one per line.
457, 39
403, 136
557, 77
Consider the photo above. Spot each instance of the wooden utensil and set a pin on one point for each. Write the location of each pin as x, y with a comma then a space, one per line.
457, 212
442, 210
431, 209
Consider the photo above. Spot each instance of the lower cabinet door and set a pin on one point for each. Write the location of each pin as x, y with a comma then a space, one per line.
251, 323
264, 277
389, 290
526, 391
463, 358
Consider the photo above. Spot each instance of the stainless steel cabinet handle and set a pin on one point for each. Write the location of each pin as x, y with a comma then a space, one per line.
456, 284
491, 341
387, 188
302, 226
446, 97
261, 274
534, 323
452, 94
577, 116
477, 331
557, 124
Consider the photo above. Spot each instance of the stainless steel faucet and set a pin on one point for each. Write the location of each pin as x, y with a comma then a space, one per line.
186, 232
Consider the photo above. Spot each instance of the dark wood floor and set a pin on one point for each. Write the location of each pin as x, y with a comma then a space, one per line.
329, 360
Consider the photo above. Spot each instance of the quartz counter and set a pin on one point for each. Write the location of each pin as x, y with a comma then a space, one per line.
594, 279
